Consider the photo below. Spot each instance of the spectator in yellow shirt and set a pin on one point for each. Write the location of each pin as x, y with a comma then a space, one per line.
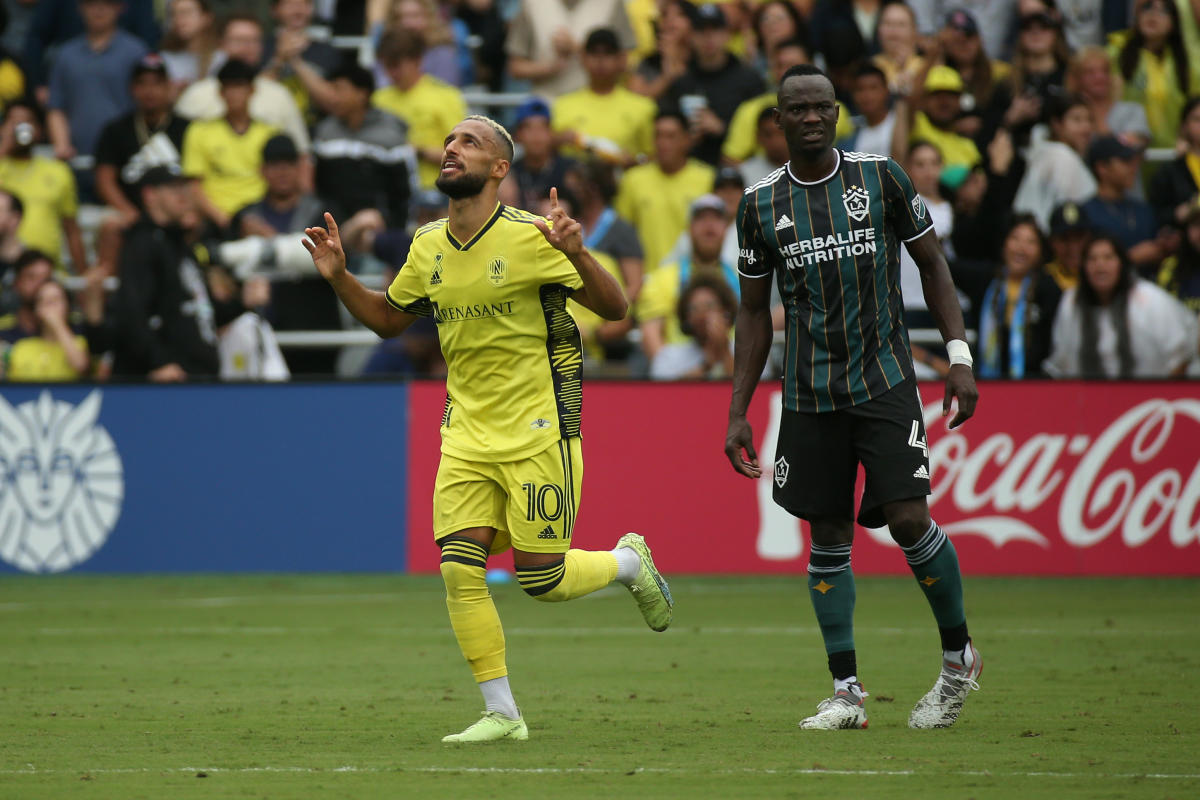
940, 99
605, 118
429, 106
655, 197
225, 154
56, 353
45, 186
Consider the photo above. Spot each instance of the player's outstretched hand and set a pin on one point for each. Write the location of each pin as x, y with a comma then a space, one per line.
740, 437
563, 233
960, 383
325, 247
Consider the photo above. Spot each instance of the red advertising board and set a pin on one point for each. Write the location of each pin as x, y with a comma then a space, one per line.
1047, 479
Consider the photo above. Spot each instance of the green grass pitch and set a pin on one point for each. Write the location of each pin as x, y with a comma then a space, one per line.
341, 687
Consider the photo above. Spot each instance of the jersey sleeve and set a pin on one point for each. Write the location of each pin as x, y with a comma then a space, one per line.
752, 249
554, 267
407, 292
904, 209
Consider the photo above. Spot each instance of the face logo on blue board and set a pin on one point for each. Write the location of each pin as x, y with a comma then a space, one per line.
857, 201
62, 483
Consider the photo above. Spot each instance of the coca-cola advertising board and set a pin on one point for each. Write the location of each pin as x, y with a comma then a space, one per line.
1048, 478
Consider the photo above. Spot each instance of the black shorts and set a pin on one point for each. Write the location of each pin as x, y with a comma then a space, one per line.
817, 457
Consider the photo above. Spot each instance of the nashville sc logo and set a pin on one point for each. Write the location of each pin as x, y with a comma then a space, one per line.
857, 202
497, 271
61, 483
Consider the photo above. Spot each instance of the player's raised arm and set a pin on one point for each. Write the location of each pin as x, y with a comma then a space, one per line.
938, 287
601, 292
368, 307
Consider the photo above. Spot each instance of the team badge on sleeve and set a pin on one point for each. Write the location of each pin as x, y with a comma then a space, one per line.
857, 201
918, 207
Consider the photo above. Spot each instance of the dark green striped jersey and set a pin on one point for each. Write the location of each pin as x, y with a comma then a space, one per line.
834, 246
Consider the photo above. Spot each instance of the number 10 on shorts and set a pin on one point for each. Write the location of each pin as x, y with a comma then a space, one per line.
543, 502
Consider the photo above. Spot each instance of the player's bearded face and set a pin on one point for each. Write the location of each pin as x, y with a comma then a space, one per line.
459, 180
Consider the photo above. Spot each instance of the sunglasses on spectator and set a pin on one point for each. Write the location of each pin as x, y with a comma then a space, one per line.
1040, 20
1153, 5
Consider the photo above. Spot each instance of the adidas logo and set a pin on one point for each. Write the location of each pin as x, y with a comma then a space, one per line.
547, 533
435, 279
921, 473
783, 222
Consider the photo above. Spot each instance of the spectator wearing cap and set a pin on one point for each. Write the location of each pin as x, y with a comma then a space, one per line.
707, 222
741, 141
89, 81
772, 149
1157, 69
271, 103
1056, 172
960, 46
299, 62
150, 135
225, 155
992, 21
45, 186
545, 39
540, 166
1180, 273
713, 87
363, 157
430, 107
875, 123
605, 118
1090, 75
1039, 67
1069, 232
308, 303
1114, 210
164, 322
657, 71
1175, 187
940, 101
655, 197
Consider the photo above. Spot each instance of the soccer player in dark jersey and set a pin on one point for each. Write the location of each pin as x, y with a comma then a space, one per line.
830, 224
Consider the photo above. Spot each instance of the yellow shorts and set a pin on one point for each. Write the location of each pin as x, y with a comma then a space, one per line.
531, 503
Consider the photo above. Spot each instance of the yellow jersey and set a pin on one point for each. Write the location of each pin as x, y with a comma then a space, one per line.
659, 297
431, 108
46, 188
657, 204
36, 359
957, 151
741, 138
228, 164
513, 354
622, 117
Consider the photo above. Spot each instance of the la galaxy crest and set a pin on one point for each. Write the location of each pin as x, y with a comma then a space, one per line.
497, 271
857, 202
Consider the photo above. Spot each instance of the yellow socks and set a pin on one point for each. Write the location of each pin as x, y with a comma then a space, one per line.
580, 572
472, 613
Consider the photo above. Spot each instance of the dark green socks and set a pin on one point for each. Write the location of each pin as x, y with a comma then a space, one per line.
831, 587
935, 565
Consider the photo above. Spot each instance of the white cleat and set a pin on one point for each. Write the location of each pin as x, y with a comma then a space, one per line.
941, 705
844, 711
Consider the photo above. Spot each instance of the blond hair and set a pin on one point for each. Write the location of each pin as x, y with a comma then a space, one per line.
502, 134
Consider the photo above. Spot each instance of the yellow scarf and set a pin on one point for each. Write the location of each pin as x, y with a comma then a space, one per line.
1157, 90
1193, 165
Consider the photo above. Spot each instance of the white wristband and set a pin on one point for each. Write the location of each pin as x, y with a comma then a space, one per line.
959, 352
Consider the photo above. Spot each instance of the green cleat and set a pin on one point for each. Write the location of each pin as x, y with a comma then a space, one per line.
491, 727
650, 588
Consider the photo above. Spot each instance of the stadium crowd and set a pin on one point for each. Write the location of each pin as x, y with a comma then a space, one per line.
160, 159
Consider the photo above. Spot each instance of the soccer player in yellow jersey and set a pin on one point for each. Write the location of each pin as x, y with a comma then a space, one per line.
497, 280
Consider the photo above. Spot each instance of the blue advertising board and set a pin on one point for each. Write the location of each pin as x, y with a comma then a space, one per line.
229, 478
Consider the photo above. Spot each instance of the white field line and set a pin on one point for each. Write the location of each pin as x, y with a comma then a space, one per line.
574, 632
749, 771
